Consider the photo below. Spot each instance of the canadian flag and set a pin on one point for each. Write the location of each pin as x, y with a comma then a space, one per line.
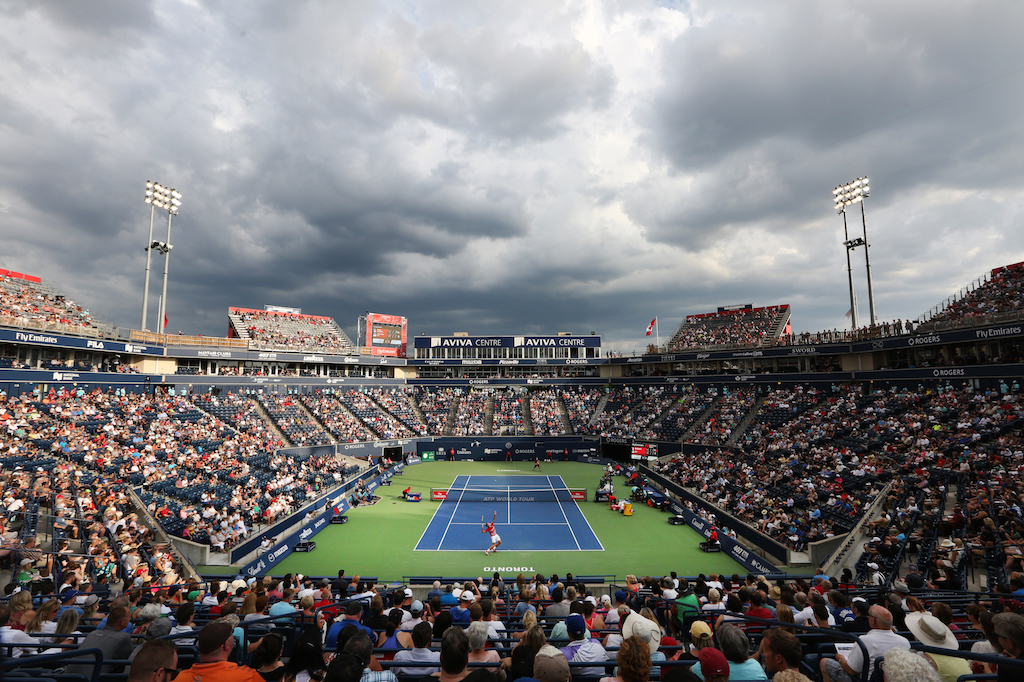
650, 327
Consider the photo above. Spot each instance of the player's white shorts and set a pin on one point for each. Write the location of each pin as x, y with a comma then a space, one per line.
495, 539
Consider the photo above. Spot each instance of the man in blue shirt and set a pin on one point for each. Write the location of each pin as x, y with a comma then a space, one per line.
352, 612
460, 613
283, 607
449, 599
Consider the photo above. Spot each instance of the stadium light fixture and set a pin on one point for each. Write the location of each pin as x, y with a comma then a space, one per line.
845, 195
166, 199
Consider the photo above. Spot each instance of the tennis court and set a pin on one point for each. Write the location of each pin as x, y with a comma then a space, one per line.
535, 513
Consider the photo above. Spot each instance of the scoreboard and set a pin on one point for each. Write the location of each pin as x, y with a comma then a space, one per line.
384, 334
646, 451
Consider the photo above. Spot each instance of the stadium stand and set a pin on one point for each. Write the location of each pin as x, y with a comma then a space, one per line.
731, 328
436, 406
617, 404
999, 295
297, 425
628, 413
683, 411
345, 426
397, 404
581, 403
28, 302
798, 463
378, 420
546, 413
472, 410
507, 414
809, 462
727, 413
289, 331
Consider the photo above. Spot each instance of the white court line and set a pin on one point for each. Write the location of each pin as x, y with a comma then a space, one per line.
578, 548
585, 520
454, 512
508, 498
470, 523
431, 522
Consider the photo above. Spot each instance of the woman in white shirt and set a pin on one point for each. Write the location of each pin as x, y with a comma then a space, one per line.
714, 602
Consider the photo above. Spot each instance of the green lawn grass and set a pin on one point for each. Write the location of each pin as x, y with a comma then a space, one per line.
379, 540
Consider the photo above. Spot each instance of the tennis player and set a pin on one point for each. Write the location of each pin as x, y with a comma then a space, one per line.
495, 538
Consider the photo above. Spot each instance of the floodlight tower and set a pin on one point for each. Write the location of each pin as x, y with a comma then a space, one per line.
168, 200
853, 193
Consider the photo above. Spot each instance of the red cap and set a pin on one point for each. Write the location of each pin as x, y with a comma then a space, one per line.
712, 662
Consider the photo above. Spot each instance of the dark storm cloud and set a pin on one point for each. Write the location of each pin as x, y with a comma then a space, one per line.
515, 91
101, 16
507, 167
767, 109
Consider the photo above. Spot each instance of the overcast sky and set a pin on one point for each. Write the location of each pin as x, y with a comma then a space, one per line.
510, 167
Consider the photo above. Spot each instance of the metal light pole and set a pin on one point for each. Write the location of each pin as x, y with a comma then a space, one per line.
161, 320
169, 200
849, 273
867, 257
844, 195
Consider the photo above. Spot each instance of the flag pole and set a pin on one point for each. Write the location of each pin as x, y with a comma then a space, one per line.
657, 331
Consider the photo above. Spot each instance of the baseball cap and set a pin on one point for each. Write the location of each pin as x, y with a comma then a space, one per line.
159, 628
575, 624
699, 629
873, 566
620, 596
416, 607
408, 593
712, 662
69, 594
550, 665
466, 596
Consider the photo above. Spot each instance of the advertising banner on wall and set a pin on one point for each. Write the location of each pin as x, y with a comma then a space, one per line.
36, 338
263, 563
749, 535
243, 549
339, 505
736, 551
495, 448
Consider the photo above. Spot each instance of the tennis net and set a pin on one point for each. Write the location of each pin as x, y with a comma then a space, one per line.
504, 495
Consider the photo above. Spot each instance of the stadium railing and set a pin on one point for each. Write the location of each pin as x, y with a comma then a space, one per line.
154, 339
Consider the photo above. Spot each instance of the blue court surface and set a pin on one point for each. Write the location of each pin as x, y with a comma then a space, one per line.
535, 513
